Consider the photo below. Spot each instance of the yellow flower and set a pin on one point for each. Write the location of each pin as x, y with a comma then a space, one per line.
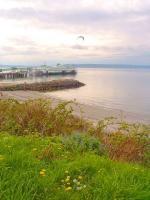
42, 173
34, 149
1, 157
68, 188
43, 170
80, 177
66, 180
66, 172
78, 183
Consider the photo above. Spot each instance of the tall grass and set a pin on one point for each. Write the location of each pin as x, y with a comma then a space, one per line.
129, 142
75, 160
38, 116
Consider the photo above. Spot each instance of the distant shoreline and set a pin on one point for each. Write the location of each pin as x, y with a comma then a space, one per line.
115, 65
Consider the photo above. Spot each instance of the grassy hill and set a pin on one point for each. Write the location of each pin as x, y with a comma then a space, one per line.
47, 153
32, 167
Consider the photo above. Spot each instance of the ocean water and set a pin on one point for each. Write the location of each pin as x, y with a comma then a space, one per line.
126, 89
112, 88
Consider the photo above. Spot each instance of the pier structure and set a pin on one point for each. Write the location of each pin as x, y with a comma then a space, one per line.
36, 72
13, 74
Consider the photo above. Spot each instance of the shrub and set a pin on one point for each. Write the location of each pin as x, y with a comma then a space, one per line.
129, 142
38, 116
82, 143
127, 147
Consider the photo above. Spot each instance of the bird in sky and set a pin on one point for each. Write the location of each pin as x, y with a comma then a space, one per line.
81, 37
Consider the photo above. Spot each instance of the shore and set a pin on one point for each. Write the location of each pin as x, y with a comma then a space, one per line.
90, 112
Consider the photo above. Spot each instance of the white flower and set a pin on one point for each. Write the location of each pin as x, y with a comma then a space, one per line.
75, 180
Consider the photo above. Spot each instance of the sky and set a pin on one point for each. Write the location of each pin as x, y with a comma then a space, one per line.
35, 32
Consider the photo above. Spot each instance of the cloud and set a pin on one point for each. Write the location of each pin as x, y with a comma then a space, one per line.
46, 28
22, 41
70, 16
79, 47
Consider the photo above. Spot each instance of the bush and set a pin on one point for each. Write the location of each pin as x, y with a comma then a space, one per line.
82, 143
129, 142
38, 116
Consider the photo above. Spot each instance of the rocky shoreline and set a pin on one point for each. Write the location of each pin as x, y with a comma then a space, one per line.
44, 86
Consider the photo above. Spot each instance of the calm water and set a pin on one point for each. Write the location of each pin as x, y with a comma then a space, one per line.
124, 89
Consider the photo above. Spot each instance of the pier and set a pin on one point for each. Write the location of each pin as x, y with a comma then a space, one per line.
13, 75
36, 72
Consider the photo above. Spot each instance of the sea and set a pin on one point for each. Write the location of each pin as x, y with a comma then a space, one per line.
126, 89
121, 88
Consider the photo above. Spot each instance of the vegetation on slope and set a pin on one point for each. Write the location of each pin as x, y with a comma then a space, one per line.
32, 167
48, 153
129, 142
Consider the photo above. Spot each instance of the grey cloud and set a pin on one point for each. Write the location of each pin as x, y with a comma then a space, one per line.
28, 50
132, 26
68, 16
79, 47
22, 41
13, 51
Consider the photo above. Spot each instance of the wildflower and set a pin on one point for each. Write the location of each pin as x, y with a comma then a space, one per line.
68, 183
1, 157
68, 177
75, 180
78, 183
42, 172
34, 149
62, 181
79, 188
66, 172
59, 148
66, 180
80, 177
84, 186
68, 188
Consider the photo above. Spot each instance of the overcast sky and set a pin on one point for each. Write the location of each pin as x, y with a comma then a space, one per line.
46, 31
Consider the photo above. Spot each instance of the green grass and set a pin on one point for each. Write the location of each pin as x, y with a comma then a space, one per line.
22, 158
